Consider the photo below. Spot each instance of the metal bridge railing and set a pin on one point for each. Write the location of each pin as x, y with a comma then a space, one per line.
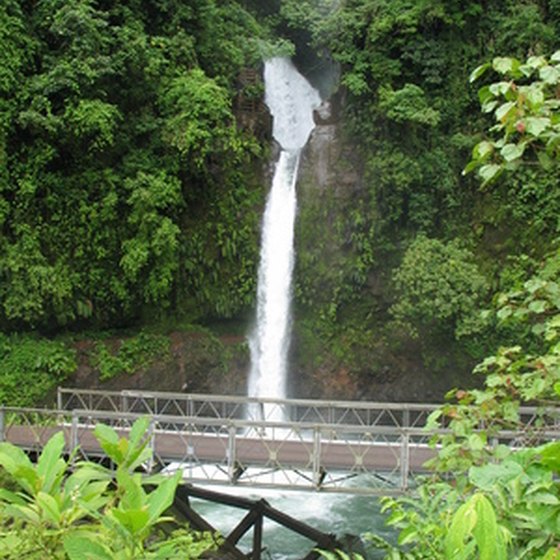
351, 458
304, 455
359, 413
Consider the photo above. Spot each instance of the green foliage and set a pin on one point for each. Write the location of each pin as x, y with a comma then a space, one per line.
198, 118
339, 555
506, 501
500, 498
526, 107
407, 105
91, 512
474, 529
133, 354
153, 253
94, 122
438, 286
31, 367
117, 138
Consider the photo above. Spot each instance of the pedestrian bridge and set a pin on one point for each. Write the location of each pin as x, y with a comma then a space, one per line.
329, 446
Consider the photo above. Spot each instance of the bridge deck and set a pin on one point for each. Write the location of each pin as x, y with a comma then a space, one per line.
250, 451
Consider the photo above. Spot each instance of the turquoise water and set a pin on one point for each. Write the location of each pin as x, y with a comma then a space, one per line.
331, 513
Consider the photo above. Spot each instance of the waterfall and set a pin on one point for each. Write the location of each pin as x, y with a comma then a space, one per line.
291, 100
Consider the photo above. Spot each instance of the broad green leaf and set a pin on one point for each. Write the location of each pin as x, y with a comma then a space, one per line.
526, 70
51, 466
85, 473
503, 110
105, 433
133, 495
487, 477
110, 443
534, 285
462, 525
138, 431
489, 106
482, 149
432, 422
485, 95
536, 125
327, 554
479, 71
544, 498
11, 497
12, 457
27, 513
17, 463
161, 498
512, 152
470, 167
535, 97
123, 448
499, 88
549, 74
408, 535
86, 547
489, 172
140, 456
555, 57
135, 521
536, 61
503, 65
49, 507
538, 306
550, 454
486, 531
476, 442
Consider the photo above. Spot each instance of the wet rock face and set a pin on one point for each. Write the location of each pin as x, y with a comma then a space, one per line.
324, 114
330, 160
195, 363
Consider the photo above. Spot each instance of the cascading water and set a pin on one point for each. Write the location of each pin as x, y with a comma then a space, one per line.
291, 100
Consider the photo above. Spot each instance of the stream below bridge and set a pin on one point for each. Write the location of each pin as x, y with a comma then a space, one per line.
339, 514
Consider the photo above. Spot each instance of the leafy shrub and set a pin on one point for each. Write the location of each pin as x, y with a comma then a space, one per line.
438, 286
133, 354
91, 513
408, 104
499, 497
30, 367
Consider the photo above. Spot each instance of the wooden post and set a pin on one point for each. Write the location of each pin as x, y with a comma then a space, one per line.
2, 423
257, 538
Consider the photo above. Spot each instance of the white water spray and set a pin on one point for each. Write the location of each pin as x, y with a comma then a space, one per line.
291, 100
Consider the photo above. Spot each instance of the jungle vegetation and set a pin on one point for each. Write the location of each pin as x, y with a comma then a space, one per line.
132, 183
131, 190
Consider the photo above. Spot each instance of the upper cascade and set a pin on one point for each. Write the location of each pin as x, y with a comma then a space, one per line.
291, 101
